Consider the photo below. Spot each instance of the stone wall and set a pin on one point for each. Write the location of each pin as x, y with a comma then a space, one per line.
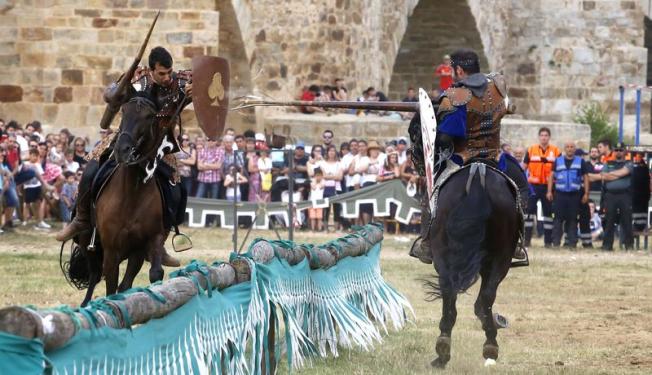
57, 56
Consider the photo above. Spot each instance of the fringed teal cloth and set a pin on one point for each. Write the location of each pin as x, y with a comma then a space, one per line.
226, 332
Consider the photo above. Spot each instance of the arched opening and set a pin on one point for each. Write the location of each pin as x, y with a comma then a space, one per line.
435, 28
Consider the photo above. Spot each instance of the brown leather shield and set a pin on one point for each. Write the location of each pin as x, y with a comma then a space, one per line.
210, 93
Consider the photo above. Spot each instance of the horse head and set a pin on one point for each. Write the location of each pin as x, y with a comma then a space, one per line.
137, 134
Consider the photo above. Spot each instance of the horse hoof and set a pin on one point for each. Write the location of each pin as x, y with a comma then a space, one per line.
489, 362
443, 347
438, 363
490, 351
500, 321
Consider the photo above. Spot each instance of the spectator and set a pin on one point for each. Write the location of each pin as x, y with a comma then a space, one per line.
327, 138
231, 183
435, 94
316, 192
616, 177
368, 166
231, 157
411, 96
65, 137
409, 175
401, 148
299, 173
391, 168
571, 189
209, 164
596, 222
69, 164
519, 155
340, 93
506, 148
309, 95
239, 143
539, 161
332, 175
186, 159
316, 159
347, 160
254, 191
445, 73
68, 196
80, 151
33, 190
265, 171
604, 148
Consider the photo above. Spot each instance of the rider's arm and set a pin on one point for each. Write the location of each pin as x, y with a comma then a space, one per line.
452, 120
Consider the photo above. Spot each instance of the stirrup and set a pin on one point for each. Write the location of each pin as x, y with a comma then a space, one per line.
181, 242
522, 263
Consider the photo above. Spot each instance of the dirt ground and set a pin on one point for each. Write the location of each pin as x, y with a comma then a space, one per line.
570, 312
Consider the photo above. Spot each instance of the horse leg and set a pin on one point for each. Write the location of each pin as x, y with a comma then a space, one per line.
449, 315
134, 264
484, 312
111, 273
156, 259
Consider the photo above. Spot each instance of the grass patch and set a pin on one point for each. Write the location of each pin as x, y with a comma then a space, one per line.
583, 312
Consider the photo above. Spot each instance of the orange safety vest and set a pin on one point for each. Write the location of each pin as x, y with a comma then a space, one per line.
541, 163
604, 159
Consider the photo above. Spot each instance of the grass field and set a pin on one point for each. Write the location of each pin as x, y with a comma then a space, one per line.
583, 312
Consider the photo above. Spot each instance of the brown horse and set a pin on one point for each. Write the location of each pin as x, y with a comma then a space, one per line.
129, 211
473, 235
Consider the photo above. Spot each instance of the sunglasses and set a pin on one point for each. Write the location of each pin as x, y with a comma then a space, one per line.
327, 136
79, 145
619, 149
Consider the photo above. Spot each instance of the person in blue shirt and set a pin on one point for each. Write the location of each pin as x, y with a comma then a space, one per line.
571, 188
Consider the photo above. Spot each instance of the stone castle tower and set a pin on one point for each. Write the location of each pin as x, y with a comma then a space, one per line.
56, 56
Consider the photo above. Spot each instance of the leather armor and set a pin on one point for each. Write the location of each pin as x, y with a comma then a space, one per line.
483, 116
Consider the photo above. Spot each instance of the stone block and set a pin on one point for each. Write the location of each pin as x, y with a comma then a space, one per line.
103, 23
10, 60
9, 93
190, 16
63, 94
33, 94
36, 33
157, 4
72, 77
55, 22
179, 38
124, 13
88, 12
191, 51
136, 3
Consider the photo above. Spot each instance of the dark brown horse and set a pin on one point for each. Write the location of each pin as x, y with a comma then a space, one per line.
129, 211
473, 235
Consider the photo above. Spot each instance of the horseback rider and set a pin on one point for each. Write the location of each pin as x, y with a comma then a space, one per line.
468, 119
170, 91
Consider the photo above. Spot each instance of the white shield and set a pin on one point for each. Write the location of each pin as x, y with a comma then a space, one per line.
428, 134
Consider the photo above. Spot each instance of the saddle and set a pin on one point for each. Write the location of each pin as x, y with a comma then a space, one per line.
174, 197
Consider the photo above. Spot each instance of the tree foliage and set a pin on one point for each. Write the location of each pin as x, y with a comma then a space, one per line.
597, 118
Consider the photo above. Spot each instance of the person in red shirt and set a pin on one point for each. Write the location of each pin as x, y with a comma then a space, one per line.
445, 73
310, 95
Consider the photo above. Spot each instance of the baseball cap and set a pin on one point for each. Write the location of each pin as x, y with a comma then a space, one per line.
300, 145
402, 141
620, 145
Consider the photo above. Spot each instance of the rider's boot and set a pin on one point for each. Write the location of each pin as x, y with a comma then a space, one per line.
169, 260
421, 246
81, 222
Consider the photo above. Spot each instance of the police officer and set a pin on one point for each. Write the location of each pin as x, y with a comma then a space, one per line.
539, 161
616, 181
571, 189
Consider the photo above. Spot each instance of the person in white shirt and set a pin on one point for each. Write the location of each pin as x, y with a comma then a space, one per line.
233, 194
265, 170
369, 166
316, 159
33, 190
316, 192
347, 160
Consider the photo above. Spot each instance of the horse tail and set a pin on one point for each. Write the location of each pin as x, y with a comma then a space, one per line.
459, 267
75, 269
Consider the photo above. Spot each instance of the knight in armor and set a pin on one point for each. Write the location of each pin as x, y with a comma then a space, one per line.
468, 127
169, 90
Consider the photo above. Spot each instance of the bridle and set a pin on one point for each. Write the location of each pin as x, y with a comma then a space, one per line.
141, 103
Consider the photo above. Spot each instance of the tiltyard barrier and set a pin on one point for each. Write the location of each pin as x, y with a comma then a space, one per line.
219, 318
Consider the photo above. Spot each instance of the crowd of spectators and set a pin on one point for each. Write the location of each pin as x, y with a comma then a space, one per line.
210, 167
39, 173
